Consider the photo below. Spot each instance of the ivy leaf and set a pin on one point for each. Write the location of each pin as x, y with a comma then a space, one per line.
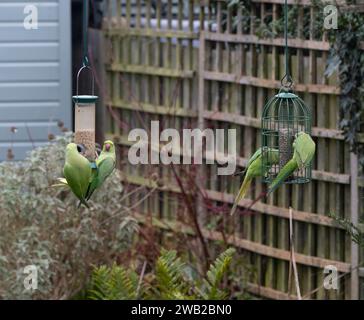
332, 65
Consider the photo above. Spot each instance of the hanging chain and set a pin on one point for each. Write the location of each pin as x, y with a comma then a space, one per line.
287, 79
86, 60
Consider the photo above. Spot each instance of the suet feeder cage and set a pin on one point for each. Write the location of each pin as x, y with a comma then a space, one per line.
85, 112
283, 117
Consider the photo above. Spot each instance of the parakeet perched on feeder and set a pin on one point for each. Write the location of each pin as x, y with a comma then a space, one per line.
303, 152
106, 163
77, 171
253, 170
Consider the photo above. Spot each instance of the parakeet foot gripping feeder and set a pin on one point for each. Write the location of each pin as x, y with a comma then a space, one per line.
284, 116
85, 105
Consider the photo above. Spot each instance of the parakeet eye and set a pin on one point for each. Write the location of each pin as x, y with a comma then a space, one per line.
80, 148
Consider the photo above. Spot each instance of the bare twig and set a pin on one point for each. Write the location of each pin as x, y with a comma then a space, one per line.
306, 296
141, 278
193, 216
129, 209
293, 259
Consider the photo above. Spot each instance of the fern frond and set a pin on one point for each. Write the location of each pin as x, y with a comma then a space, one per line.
169, 276
215, 275
169, 282
115, 283
99, 279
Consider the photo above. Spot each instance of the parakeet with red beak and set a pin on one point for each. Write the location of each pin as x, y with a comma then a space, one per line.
106, 163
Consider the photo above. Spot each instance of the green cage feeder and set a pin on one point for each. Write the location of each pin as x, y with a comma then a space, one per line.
283, 117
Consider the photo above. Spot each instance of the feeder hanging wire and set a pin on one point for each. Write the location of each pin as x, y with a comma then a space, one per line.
86, 60
287, 76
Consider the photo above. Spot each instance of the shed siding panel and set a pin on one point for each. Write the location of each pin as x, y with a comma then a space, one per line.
29, 52
35, 74
14, 12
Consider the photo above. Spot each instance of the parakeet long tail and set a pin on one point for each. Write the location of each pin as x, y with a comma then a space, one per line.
84, 203
285, 172
90, 192
243, 189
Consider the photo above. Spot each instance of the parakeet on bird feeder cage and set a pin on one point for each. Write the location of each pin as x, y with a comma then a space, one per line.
85, 110
284, 117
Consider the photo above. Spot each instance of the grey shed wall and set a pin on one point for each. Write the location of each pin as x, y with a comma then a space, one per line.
35, 74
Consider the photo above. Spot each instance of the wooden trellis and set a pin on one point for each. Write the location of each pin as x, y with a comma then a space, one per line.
187, 64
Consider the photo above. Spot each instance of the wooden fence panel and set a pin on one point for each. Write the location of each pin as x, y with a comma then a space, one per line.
190, 64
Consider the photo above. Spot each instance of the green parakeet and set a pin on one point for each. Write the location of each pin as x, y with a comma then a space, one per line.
303, 152
77, 171
106, 163
253, 170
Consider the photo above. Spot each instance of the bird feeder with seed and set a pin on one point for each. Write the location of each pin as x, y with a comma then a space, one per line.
85, 112
283, 117
85, 105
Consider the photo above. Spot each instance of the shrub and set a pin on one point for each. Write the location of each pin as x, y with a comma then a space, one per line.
41, 225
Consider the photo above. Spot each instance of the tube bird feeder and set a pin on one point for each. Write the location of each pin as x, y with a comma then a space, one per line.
85, 112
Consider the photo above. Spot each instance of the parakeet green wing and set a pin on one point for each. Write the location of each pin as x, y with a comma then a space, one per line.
105, 168
254, 169
73, 181
304, 148
77, 181
106, 163
283, 174
77, 172
252, 158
